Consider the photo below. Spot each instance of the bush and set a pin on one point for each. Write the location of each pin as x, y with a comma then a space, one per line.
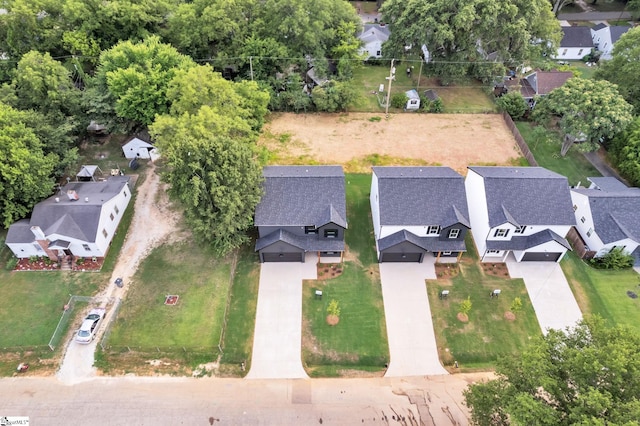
333, 308
11, 264
615, 259
465, 306
516, 305
513, 104
399, 100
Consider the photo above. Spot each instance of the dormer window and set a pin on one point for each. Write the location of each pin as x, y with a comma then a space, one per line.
311, 230
520, 229
433, 230
454, 233
501, 233
331, 233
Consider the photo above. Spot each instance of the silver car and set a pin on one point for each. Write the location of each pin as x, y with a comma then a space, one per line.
89, 327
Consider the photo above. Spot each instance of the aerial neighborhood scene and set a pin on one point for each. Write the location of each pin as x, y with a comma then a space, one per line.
422, 212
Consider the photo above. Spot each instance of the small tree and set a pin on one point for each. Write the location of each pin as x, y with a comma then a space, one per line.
399, 100
615, 259
513, 104
516, 305
465, 306
333, 308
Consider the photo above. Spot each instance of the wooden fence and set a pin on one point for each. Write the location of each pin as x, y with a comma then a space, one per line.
578, 244
524, 148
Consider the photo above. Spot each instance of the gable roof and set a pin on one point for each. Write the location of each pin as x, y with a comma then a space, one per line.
302, 196
599, 26
374, 32
526, 242
78, 218
614, 209
526, 196
135, 144
306, 242
421, 196
425, 243
576, 37
617, 31
87, 171
543, 82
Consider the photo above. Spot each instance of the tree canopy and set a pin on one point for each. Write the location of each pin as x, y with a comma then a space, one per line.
589, 110
625, 150
587, 376
624, 67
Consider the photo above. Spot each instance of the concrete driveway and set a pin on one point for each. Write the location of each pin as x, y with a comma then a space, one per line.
412, 341
277, 340
550, 294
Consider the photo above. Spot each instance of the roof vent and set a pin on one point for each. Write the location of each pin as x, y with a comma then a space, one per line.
86, 199
57, 199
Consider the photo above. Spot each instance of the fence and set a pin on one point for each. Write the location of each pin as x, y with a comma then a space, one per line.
68, 315
524, 148
578, 244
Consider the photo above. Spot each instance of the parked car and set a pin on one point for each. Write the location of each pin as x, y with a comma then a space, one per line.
89, 328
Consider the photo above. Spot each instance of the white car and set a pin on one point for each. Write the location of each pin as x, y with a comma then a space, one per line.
89, 327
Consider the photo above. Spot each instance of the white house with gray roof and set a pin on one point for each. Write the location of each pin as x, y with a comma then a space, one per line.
608, 216
416, 211
524, 211
80, 220
605, 36
576, 43
372, 37
303, 209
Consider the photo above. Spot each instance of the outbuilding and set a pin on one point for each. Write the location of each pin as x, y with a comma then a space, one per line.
137, 148
413, 100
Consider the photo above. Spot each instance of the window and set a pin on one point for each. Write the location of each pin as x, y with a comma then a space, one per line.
520, 229
86, 247
331, 233
589, 232
116, 209
104, 232
446, 253
125, 194
378, 53
310, 230
575, 207
564, 52
433, 230
454, 233
582, 219
493, 251
501, 233
580, 52
111, 216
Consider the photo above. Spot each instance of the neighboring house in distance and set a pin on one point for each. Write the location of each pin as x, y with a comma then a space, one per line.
604, 37
608, 216
535, 84
80, 220
521, 210
137, 148
303, 209
418, 210
576, 43
372, 37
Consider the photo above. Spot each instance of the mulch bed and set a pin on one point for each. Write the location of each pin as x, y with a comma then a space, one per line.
495, 269
333, 320
85, 265
329, 270
447, 270
171, 299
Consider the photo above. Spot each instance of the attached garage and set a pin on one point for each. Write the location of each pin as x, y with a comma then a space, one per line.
541, 257
401, 257
283, 257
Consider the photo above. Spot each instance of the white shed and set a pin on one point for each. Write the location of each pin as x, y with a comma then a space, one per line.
413, 100
137, 148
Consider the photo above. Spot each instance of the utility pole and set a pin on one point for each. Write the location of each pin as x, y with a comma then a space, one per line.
392, 72
419, 77
251, 66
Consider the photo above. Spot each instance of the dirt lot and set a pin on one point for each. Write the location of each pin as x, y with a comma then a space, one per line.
359, 140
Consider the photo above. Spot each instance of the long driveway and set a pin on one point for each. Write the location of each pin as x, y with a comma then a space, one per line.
412, 341
550, 294
277, 340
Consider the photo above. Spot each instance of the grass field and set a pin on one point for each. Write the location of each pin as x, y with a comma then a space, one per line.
547, 153
604, 292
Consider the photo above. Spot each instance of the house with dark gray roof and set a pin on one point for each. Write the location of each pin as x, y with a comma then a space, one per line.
521, 211
605, 36
607, 216
303, 210
418, 211
576, 43
79, 220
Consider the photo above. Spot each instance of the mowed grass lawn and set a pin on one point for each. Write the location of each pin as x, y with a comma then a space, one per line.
359, 340
604, 292
487, 335
199, 278
547, 153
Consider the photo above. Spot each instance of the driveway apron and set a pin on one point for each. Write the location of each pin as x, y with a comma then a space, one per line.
412, 341
550, 294
277, 339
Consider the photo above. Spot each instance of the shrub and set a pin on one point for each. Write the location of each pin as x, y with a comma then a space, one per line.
516, 305
399, 100
615, 259
33, 259
513, 104
11, 264
333, 308
465, 305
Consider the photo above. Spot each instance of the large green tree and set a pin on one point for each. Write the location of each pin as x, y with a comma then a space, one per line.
624, 67
625, 151
25, 169
588, 110
588, 376
461, 34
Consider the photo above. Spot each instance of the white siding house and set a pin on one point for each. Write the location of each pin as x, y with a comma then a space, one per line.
372, 37
576, 43
523, 211
605, 36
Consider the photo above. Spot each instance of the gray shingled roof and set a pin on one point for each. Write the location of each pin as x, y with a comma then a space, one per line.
576, 37
373, 32
598, 26
526, 196
20, 232
302, 196
617, 31
608, 183
426, 243
75, 219
526, 242
614, 211
421, 196
306, 242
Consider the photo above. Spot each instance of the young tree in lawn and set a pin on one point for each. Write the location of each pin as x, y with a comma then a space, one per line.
624, 67
589, 375
592, 110
25, 170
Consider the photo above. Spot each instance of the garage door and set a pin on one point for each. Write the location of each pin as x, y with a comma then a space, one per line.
541, 257
282, 257
401, 257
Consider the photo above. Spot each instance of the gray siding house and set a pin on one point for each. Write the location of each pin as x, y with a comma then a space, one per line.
303, 209
418, 210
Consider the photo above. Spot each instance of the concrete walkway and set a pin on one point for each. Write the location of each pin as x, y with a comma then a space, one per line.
412, 341
550, 294
277, 339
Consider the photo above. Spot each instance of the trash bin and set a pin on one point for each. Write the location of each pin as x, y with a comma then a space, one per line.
119, 282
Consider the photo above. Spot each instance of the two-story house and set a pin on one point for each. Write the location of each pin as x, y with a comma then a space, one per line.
524, 211
303, 210
418, 210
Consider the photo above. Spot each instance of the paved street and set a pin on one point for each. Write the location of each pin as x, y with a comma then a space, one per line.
277, 340
550, 294
412, 342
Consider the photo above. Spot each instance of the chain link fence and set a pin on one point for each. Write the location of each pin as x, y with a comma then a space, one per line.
69, 313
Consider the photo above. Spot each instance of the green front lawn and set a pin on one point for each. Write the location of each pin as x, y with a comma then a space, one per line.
604, 292
574, 165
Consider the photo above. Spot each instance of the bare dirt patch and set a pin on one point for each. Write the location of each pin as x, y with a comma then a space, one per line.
462, 317
358, 140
